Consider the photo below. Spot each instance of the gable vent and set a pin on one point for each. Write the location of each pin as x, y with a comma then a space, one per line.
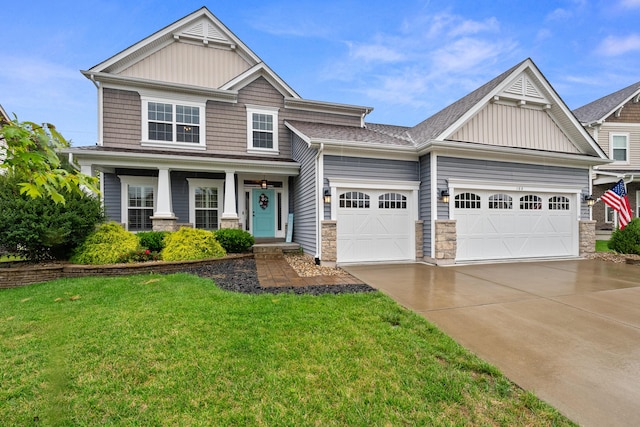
516, 88
206, 32
197, 30
531, 90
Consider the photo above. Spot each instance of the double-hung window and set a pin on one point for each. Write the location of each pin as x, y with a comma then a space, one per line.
138, 202
619, 143
262, 129
166, 123
205, 203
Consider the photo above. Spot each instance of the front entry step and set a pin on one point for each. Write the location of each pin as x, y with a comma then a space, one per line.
273, 250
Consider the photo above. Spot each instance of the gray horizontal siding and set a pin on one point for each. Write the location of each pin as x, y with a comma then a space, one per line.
503, 172
112, 197
367, 168
425, 202
304, 201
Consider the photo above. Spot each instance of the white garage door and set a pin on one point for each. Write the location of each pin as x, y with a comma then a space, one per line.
374, 225
503, 225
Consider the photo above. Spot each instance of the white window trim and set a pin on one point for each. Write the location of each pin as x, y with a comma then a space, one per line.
611, 136
146, 142
198, 182
272, 111
125, 182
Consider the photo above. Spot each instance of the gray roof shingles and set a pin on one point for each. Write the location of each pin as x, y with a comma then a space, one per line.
372, 134
601, 108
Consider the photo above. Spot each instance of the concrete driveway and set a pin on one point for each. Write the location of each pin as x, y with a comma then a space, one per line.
569, 331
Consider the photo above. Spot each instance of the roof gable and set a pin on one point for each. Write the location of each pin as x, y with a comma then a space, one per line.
602, 108
522, 86
213, 56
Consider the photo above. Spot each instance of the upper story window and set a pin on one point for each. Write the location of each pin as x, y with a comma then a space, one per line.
170, 124
619, 143
262, 129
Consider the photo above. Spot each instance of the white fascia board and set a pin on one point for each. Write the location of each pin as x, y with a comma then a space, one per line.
326, 107
508, 154
253, 73
302, 136
454, 183
374, 183
132, 83
175, 161
390, 153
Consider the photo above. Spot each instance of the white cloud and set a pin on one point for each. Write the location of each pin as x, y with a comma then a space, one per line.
614, 46
374, 53
559, 15
630, 4
468, 27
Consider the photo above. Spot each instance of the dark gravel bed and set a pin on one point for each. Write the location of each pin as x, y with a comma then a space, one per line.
240, 275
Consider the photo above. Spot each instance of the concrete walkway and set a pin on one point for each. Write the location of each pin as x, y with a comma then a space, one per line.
569, 331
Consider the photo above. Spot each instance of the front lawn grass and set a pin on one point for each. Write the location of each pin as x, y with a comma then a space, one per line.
177, 350
602, 246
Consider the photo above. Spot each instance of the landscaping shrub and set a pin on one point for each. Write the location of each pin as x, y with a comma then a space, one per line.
627, 241
107, 245
139, 255
152, 240
234, 240
39, 228
191, 243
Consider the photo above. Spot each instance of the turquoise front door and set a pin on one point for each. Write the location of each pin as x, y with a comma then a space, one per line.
264, 213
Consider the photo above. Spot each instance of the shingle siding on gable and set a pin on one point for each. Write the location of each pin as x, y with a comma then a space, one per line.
304, 196
630, 113
122, 120
509, 173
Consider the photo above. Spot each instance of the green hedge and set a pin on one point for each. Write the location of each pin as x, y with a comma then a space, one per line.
627, 241
107, 245
191, 244
234, 240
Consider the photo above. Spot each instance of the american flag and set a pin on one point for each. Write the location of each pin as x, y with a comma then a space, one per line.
617, 199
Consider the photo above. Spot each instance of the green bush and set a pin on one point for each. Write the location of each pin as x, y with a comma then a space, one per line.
234, 240
152, 240
39, 229
139, 255
191, 243
107, 245
627, 241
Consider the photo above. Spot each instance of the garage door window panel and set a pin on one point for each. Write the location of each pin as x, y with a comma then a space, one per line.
467, 201
355, 200
530, 202
392, 201
559, 203
500, 201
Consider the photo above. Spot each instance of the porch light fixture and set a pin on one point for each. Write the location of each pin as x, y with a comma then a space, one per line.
327, 197
589, 200
263, 184
444, 196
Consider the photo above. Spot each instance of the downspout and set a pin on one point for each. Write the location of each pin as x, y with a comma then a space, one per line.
320, 202
99, 112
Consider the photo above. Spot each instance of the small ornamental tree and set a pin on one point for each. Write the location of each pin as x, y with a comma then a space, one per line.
190, 244
107, 245
40, 228
30, 151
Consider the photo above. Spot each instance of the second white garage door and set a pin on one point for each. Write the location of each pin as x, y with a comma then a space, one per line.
374, 225
502, 225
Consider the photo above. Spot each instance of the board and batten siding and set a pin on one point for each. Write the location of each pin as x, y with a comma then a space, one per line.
122, 122
304, 196
425, 203
190, 64
112, 190
506, 173
510, 126
604, 140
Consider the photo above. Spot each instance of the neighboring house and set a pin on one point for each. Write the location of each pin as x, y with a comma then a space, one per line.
195, 128
614, 122
4, 118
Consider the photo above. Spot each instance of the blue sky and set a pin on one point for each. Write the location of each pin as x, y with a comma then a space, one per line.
407, 59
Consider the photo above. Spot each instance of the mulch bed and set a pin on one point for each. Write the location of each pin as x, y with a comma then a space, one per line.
240, 275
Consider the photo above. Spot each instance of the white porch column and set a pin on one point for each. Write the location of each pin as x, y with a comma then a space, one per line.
230, 196
87, 170
163, 199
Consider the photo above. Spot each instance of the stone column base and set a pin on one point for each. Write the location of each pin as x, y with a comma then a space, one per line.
329, 243
419, 239
587, 239
229, 223
164, 223
446, 241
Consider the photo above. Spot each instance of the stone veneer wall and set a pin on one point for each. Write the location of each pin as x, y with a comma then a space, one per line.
587, 239
26, 274
419, 238
329, 243
445, 244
